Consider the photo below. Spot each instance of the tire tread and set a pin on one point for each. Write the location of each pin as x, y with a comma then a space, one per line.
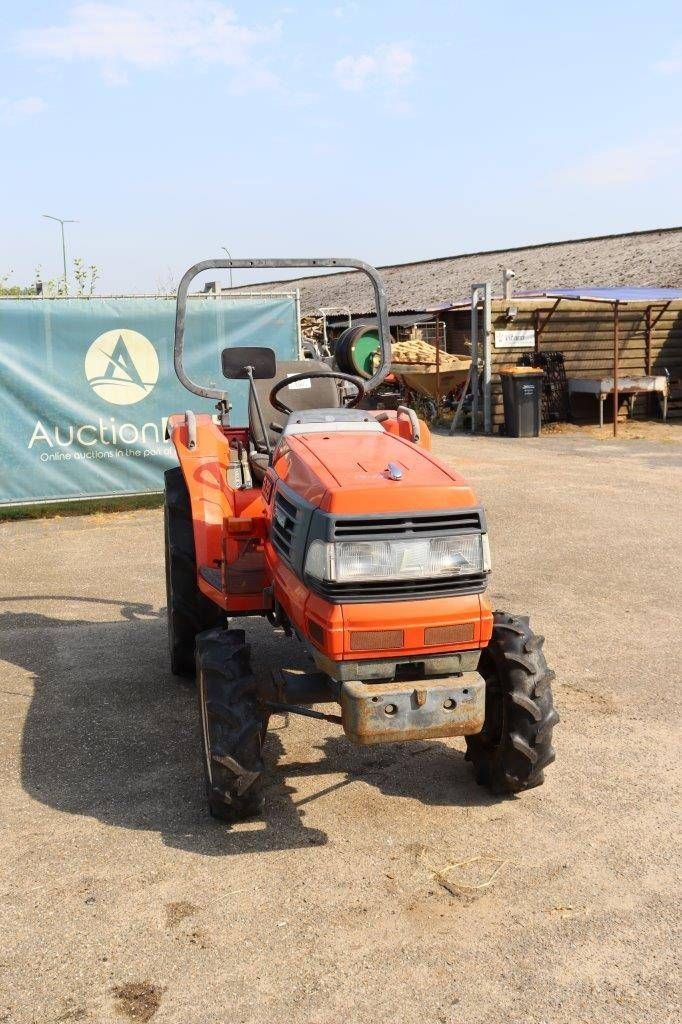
519, 704
233, 722
189, 611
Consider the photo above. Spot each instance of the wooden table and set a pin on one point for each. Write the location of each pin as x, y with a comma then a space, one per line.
602, 387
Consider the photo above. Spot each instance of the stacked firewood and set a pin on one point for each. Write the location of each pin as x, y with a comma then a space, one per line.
311, 327
418, 351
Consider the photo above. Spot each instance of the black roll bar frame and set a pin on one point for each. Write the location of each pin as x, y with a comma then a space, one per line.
268, 264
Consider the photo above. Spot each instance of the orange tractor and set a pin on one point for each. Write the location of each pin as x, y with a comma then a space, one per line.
339, 526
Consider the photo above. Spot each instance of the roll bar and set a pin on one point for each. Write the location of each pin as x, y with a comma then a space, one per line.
223, 264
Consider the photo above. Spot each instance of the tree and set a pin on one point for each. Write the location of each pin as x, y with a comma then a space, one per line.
85, 277
81, 274
15, 290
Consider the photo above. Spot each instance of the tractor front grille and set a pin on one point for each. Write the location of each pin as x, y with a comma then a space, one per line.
284, 519
398, 590
393, 526
427, 524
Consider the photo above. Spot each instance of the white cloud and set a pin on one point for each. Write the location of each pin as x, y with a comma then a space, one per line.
671, 65
624, 165
353, 73
388, 66
346, 9
12, 111
151, 35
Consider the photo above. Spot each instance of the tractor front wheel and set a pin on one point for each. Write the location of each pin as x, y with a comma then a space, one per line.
187, 609
233, 724
515, 745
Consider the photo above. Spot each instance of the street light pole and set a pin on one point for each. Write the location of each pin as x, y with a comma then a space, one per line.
62, 222
229, 256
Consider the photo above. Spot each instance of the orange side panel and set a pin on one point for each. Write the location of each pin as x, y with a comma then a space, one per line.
486, 619
205, 471
291, 592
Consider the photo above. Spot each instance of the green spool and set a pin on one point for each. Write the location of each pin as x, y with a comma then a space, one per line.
363, 349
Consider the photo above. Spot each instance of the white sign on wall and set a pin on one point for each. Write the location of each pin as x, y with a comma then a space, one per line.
515, 339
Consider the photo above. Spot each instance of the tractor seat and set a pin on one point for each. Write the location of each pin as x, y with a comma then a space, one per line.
305, 394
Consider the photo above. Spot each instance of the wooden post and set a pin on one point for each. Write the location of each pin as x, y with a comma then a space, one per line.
615, 368
437, 369
475, 293
648, 342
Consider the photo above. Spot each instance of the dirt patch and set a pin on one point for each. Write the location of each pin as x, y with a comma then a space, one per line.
178, 912
628, 430
71, 1012
581, 697
199, 938
137, 1000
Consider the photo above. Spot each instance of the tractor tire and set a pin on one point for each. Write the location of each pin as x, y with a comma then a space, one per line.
515, 745
189, 612
233, 725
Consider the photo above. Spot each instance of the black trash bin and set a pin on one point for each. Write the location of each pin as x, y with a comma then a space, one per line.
522, 398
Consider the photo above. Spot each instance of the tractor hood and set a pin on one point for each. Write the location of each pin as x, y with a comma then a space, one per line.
351, 472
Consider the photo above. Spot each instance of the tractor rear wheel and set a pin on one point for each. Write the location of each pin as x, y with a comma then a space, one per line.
187, 609
515, 745
233, 724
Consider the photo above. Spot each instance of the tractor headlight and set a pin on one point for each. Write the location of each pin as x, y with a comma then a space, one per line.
349, 561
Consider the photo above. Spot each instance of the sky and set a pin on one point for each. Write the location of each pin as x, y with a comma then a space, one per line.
389, 132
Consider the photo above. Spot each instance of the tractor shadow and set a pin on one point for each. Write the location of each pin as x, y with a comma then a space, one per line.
111, 734
430, 771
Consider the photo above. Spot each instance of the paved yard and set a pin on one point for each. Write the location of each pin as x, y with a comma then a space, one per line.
121, 900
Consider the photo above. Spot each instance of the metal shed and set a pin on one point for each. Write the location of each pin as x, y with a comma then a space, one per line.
601, 333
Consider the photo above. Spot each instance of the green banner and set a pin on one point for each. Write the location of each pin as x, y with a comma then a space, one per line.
87, 386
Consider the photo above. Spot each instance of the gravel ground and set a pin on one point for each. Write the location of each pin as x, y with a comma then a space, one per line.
121, 900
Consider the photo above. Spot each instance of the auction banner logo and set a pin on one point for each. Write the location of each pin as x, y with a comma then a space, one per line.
122, 366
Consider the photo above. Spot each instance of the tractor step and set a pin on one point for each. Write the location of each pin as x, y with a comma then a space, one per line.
212, 576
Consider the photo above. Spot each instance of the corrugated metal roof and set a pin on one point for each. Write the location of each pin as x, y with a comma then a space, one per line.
402, 316
650, 258
397, 319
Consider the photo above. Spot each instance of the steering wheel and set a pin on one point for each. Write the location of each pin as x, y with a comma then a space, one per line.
316, 375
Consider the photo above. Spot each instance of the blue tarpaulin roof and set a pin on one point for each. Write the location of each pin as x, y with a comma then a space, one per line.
610, 294
600, 293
